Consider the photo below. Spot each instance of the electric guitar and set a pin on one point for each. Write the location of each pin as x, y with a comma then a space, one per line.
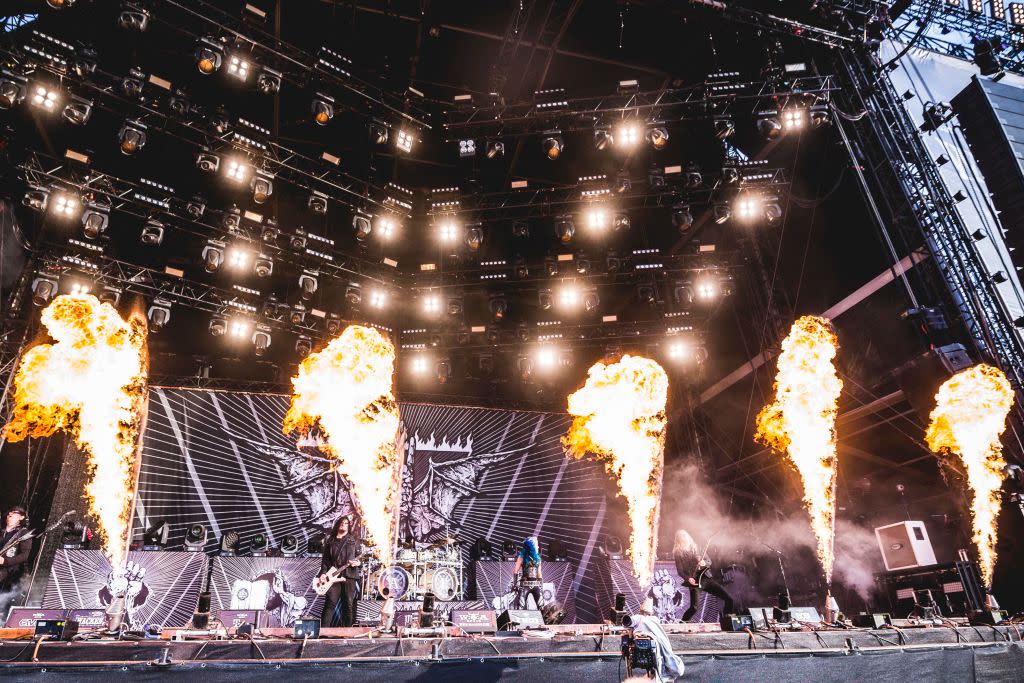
29, 533
321, 584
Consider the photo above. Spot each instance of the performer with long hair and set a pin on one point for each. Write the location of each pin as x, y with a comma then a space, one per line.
695, 570
527, 576
13, 559
341, 549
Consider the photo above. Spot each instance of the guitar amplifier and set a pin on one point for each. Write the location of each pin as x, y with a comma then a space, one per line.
518, 619
905, 545
475, 620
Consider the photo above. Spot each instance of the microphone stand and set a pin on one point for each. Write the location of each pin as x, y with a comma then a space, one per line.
782, 568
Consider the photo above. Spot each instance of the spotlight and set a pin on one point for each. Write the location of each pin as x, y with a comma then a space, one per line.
722, 212
524, 364
602, 138
323, 109
565, 229
682, 217
269, 81
269, 232
597, 218
159, 314
768, 125
94, 222
238, 257
261, 340
498, 305
418, 365
110, 295
156, 536
219, 121
290, 545
431, 304
44, 287
657, 136
333, 326
308, 285
259, 545
237, 170
521, 229
378, 298
77, 111
772, 210
552, 144
60, 4
209, 56
986, 55
692, 178
12, 89
262, 187
622, 183
229, 544
544, 299
207, 163
547, 358
361, 225
456, 307
152, 233
646, 293
724, 128
794, 118
213, 255
132, 137
707, 289
133, 17
443, 372
80, 288
403, 141
218, 326
448, 230
628, 135
83, 62
591, 301
387, 226
65, 205
474, 237
613, 545
195, 208
238, 66
36, 198
495, 149
819, 116
467, 148
317, 203
568, 296
44, 98
748, 207
133, 83
520, 268
621, 222
678, 351
303, 346
240, 328
354, 294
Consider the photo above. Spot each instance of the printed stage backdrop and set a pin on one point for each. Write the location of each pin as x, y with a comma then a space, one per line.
669, 594
281, 586
158, 587
493, 577
219, 458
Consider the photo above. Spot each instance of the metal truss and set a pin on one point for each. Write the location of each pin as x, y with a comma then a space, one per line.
720, 96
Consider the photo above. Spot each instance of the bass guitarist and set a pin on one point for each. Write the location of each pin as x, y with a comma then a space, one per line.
341, 550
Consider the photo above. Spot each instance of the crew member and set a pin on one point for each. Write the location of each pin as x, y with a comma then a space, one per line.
13, 558
341, 550
694, 568
531, 581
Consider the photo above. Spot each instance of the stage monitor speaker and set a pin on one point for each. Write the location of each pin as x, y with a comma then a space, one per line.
306, 628
905, 545
736, 622
865, 620
518, 619
475, 620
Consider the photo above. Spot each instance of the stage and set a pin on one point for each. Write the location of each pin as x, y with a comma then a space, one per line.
574, 653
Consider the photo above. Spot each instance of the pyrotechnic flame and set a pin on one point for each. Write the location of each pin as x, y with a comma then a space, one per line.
346, 391
91, 382
801, 420
619, 417
968, 419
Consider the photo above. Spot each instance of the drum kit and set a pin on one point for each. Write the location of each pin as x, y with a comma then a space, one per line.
412, 573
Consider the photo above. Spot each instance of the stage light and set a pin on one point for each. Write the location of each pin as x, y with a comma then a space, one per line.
290, 545
195, 538
768, 125
83, 61
627, 135
520, 229
498, 306
722, 212
456, 306
378, 298
524, 364
232, 218
597, 218
568, 296
692, 177
707, 289
94, 222
550, 266
354, 294
986, 54
220, 121
646, 293
207, 163
44, 287
432, 304
602, 138
65, 204
794, 118
77, 111
467, 148
132, 137
620, 222
678, 351
12, 89
547, 358
269, 232
748, 207
730, 174
474, 237
133, 17
591, 301
448, 230
317, 203
238, 67
565, 228
238, 257
403, 141
240, 328
133, 83
259, 545
582, 264
229, 544
152, 233
387, 226
218, 326
419, 365
772, 210
657, 136
237, 170
520, 268
156, 536
269, 81
544, 299
60, 4
614, 548
442, 372
724, 128
495, 149
819, 115
159, 314
209, 56
195, 208
333, 326
361, 226
261, 341
80, 288
553, 145
262, 187
307, 285
323, 109
682, 217
36, 198
110, 295
303, 346
213, 255
44, 98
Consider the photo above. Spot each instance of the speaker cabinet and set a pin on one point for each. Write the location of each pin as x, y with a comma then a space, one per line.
905, 545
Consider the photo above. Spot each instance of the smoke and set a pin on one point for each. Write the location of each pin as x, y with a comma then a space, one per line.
691, 503
12, 596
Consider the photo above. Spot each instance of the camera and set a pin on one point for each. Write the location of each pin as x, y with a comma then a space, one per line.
639, 653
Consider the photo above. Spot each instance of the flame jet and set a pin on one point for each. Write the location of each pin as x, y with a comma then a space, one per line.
968, 419
800, 422
346, 391
619, 417
91, 382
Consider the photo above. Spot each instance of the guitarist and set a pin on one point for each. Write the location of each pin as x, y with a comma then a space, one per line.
695, 570
341, 550
13, 559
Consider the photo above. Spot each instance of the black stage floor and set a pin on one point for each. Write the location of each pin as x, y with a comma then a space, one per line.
930, 654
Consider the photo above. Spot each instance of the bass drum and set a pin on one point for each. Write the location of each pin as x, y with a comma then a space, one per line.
392, 582
443, 582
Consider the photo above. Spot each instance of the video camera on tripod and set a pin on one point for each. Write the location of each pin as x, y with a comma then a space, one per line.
639, 651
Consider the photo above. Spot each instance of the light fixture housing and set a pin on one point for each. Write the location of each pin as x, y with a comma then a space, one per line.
209, 56
132, 137
323, 109
552, 145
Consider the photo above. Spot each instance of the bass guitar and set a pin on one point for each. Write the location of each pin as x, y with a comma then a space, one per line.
323, 583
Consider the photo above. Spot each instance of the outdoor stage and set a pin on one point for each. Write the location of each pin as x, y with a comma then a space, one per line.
574, 653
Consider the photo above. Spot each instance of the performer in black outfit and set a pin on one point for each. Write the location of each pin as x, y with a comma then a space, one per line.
531, 582
13, 560
694, 569
341, 550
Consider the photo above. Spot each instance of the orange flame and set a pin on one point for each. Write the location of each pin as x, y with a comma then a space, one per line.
346, 390
968, 419
619, 417
801, 422
91, 382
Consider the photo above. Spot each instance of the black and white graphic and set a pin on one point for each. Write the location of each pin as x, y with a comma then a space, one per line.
669, 595
279, 586
220, 459
494, 577
368, 611
158, 587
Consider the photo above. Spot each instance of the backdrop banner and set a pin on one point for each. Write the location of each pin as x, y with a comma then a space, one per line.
668, 593
493, 577
282, 587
